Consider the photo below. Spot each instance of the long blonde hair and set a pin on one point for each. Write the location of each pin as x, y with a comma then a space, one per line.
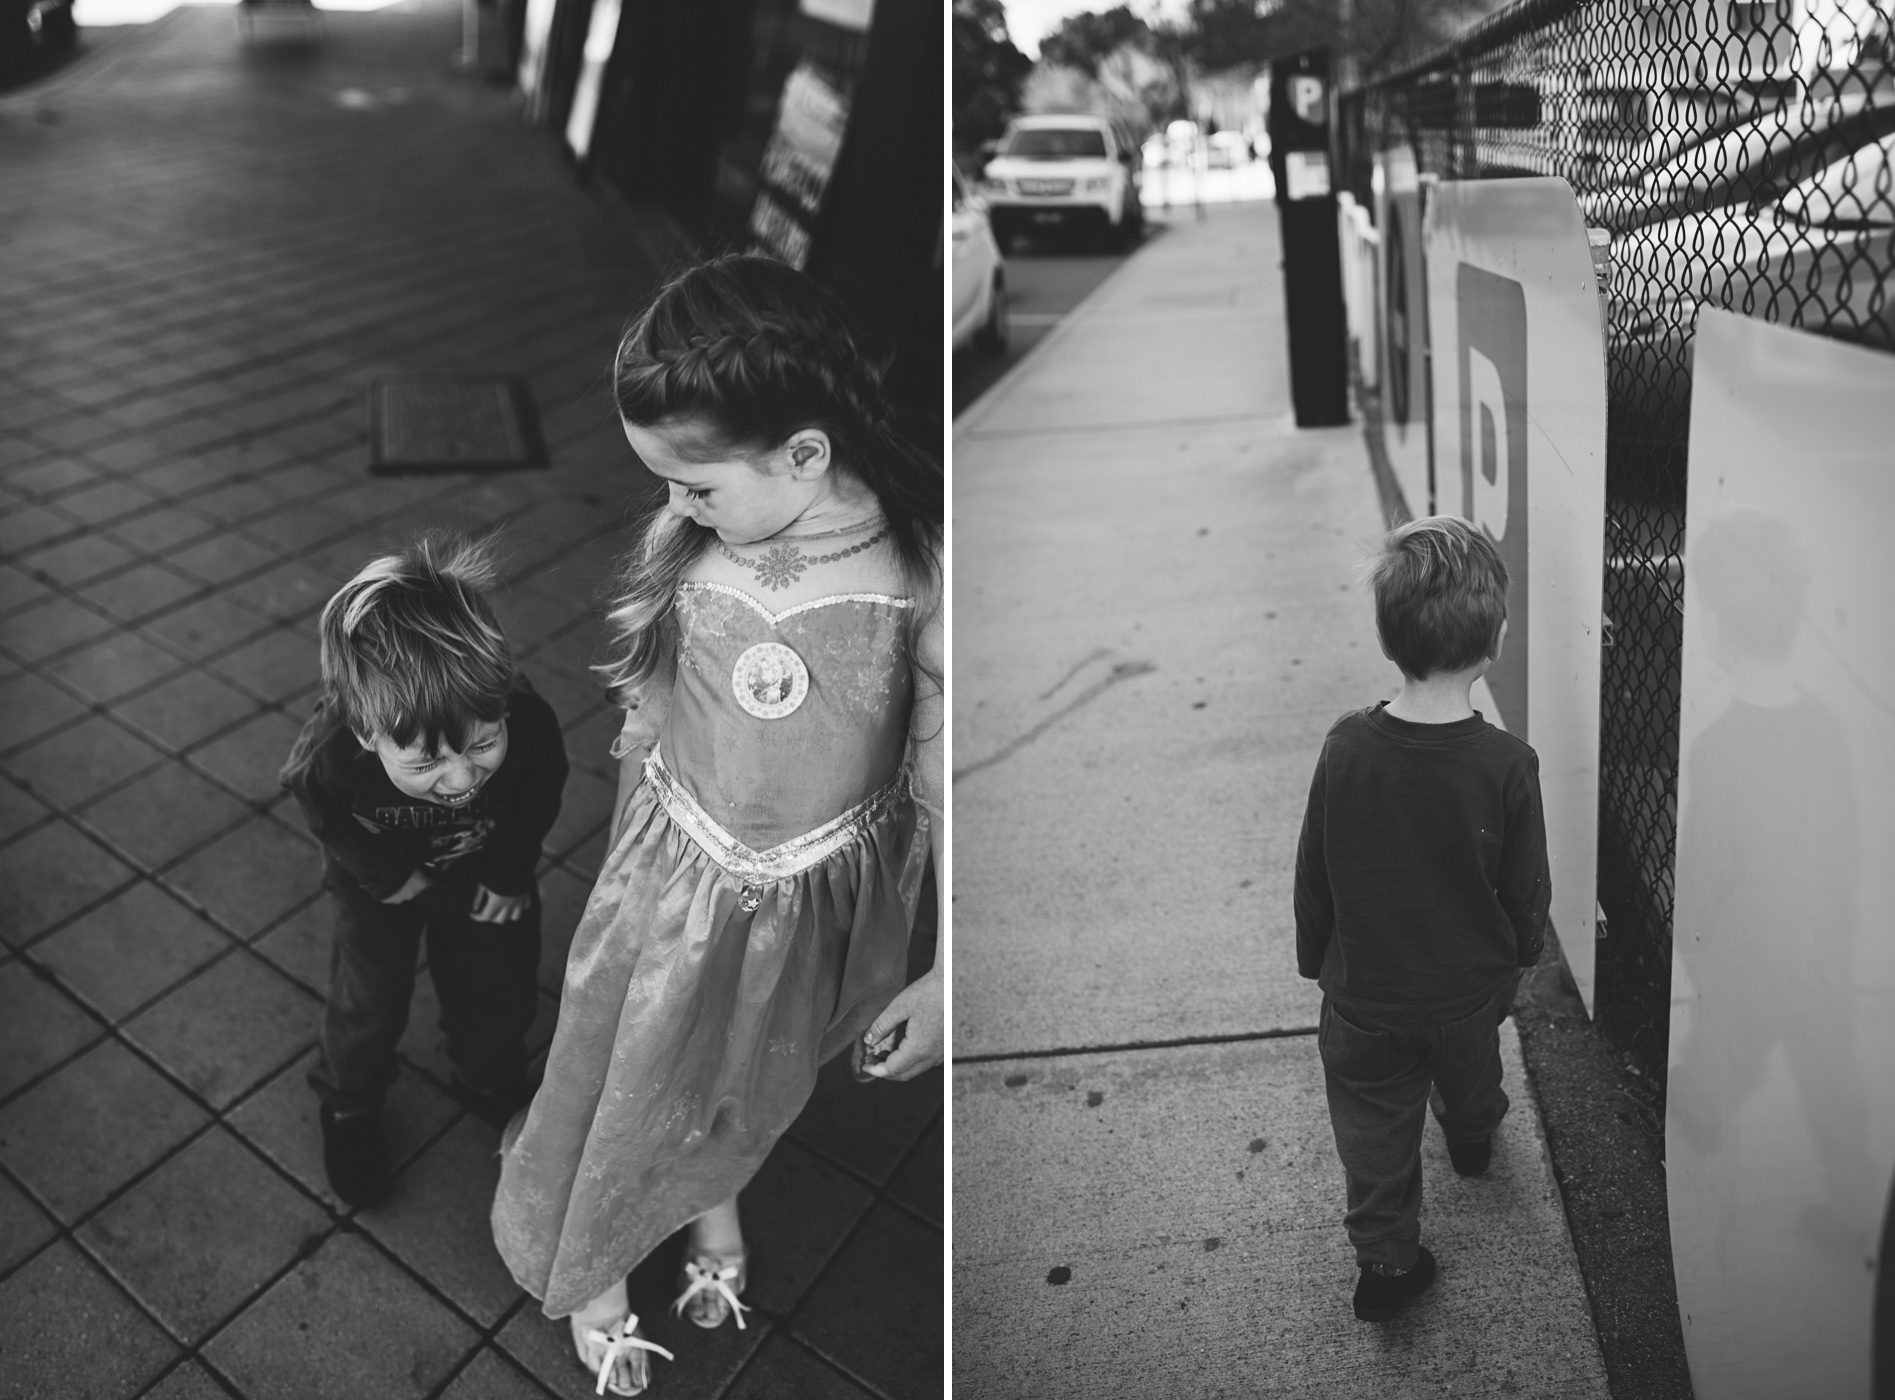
747, 350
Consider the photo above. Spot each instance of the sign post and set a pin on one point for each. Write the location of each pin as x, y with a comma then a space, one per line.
1312, 261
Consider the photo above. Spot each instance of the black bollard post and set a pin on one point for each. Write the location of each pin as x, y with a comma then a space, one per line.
1312, 259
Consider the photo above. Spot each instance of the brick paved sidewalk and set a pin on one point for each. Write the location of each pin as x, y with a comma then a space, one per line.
206, 253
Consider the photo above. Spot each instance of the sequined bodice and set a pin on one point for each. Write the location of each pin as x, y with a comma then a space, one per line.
781, 721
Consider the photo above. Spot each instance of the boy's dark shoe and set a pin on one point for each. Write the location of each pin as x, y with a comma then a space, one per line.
1379, 1297
355, 1157
1471, 1158
496, 1107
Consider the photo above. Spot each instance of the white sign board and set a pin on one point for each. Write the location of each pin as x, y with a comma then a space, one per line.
848, 14
602, 33
1361, 247
1305, 174
811, 120
1402, 295
534, 56
1780, 1113
1519, 405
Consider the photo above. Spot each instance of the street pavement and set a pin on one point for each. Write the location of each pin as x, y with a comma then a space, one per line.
1155, 622
1046, 278
207, 253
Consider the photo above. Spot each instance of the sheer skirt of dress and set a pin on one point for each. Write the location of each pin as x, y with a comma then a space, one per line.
699, 1004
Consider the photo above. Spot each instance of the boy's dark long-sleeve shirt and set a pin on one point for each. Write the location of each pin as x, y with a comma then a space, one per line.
1421, 878
378, 836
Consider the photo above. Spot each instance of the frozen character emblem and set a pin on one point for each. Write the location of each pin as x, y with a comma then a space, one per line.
770, 680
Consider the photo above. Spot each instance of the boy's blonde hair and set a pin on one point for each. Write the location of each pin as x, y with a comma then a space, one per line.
1440, 595
411, 649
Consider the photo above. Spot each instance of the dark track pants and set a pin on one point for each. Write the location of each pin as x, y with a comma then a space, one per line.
1378, 1076
484, 975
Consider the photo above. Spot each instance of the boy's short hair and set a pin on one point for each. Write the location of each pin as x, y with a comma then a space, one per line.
1440, 595
411, 649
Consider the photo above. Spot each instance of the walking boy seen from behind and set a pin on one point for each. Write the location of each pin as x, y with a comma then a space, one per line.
430, 772
1421, 892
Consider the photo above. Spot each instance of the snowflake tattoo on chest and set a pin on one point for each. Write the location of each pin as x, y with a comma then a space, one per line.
783, 564
780, 566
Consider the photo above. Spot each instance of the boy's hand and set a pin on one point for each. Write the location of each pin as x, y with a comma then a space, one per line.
491, 908
410, 888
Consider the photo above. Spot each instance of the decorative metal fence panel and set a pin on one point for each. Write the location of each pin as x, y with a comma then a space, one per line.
1742, 155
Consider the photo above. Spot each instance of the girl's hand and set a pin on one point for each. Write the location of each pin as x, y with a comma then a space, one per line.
491, 908
411, 888
909, 1032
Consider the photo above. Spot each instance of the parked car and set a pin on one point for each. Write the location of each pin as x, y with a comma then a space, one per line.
1819, 254
980, 276
1053, 172
1751, 160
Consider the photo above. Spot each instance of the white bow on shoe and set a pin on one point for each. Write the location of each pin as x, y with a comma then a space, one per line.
621, 1341
714, 1281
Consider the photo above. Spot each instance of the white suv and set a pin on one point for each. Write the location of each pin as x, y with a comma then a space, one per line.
1064, 171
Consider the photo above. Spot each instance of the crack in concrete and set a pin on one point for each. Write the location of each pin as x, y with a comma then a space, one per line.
1122, 1047
1124, 671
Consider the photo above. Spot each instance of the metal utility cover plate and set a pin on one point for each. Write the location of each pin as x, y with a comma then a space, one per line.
441, 423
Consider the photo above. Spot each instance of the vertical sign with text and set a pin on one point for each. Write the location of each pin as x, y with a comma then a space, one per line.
797, 164
1517, 359
1492, 340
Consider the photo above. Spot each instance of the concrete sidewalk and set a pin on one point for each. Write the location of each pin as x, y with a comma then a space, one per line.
207, 252
1155, 623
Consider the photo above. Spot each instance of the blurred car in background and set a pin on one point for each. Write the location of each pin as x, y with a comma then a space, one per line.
1818, 254
1751, 160
32, 32
1076, 172
980, 276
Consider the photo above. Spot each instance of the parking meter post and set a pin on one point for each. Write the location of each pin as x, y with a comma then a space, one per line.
1312, 258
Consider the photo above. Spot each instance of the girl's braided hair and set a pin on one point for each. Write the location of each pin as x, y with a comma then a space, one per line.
742, 351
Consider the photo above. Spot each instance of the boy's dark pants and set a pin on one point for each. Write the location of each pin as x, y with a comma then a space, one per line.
484, 974
1378, 1074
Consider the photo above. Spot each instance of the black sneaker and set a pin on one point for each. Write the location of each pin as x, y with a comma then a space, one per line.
1471, 1158
355, 1157
1378, 1297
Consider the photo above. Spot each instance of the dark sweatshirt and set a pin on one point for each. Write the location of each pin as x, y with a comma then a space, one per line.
1421, 878
377, 836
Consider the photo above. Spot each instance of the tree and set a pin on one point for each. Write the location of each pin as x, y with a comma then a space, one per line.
1085, 41
988, 71
1370, 37
1219, 35
1131, 86
1367, 37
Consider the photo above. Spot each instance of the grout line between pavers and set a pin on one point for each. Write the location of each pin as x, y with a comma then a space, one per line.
784, 1323
71, 594
89, 448
341, 1222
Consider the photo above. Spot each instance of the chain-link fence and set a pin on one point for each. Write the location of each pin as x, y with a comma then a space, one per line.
1739, 153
